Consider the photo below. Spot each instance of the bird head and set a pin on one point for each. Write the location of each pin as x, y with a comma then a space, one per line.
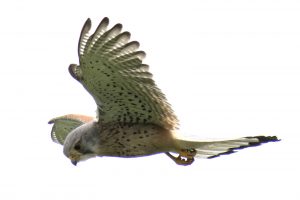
81, 143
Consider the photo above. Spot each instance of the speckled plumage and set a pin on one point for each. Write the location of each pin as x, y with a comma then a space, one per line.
111, 69
134, 117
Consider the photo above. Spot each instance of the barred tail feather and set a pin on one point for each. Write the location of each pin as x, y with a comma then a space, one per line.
215, 148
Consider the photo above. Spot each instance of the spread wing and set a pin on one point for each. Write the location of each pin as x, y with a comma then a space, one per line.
63, 125
112, 71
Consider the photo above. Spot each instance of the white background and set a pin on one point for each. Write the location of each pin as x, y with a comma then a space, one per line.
229, 68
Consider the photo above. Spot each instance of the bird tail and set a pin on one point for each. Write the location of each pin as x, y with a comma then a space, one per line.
215, 148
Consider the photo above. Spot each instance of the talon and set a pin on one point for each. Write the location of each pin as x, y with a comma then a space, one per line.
184, 161
188, 153
181, 160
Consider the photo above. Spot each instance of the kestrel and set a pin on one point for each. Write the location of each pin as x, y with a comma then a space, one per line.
134, 118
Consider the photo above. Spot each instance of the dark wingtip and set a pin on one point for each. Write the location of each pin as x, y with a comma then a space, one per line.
265, 139
51, 121
120, 26
88, 22
72, 71
105, 19
127, 34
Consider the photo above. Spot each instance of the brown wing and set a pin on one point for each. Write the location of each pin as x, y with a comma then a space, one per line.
112, 71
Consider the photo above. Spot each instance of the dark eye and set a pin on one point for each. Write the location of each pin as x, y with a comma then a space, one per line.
77, 147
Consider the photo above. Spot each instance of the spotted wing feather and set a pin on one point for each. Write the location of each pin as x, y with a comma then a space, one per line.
112, 71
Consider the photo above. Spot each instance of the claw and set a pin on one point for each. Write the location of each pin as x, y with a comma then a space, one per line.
185, 157
188, 153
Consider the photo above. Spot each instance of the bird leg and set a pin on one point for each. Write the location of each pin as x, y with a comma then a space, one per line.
185, 157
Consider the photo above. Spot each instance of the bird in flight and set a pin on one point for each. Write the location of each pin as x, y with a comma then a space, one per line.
134, 117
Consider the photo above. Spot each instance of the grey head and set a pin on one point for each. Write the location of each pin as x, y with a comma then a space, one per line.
81, 143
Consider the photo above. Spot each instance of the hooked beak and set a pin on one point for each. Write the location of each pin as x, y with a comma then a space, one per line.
74, 162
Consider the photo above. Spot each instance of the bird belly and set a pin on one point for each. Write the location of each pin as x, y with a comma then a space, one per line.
135, 140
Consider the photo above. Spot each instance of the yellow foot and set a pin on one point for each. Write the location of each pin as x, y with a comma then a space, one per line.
188, 153
185, 157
